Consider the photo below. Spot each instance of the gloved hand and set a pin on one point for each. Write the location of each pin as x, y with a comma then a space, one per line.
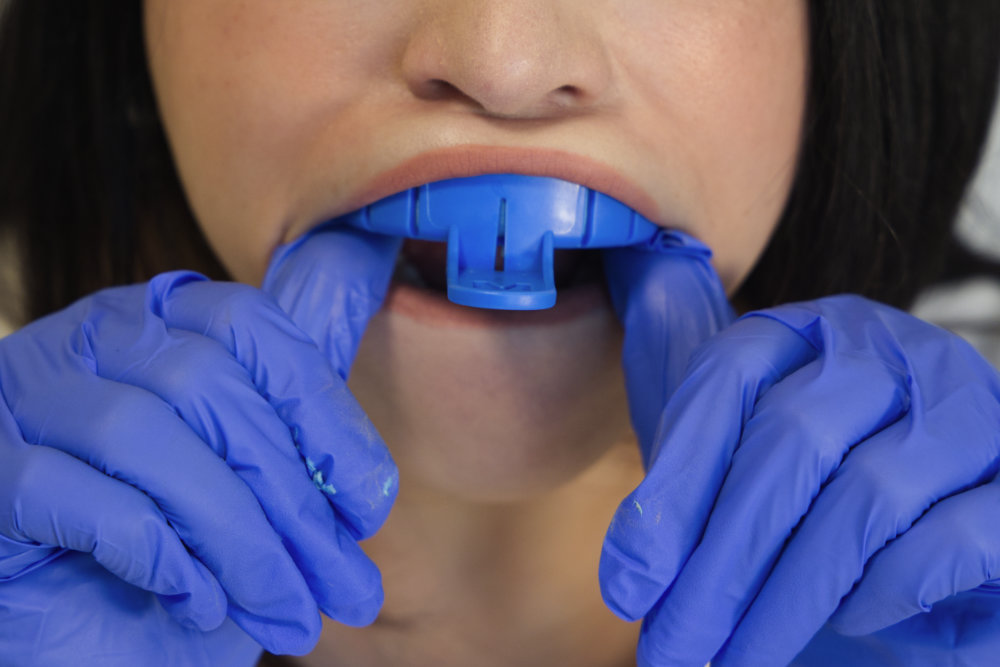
801, 450
195, 440
958, 630
74, 612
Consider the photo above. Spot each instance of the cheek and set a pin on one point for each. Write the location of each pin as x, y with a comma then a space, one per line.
246, 91
726, 101
750, 154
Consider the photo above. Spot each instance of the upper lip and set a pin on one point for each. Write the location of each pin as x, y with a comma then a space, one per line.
475, 160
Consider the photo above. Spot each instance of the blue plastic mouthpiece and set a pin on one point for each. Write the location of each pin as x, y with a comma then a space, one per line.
528, 217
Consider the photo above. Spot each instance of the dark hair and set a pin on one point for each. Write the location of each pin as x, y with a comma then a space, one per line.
898, 107
88, 190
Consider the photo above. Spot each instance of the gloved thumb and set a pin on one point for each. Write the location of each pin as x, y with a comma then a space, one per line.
330, 282
669, 300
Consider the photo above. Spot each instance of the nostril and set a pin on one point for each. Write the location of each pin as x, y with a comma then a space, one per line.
568, 95
439, 89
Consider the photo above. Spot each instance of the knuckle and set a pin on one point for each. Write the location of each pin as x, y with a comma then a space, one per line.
242, 303
242, 306
193, 367
164, 285
26, 483
872, 482
791, 439
135, 535
716, 358
115, 423
794, 421
964, 519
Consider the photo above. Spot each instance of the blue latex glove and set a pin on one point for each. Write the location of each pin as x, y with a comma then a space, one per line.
804, 448
194, 440
74, 612
958, 630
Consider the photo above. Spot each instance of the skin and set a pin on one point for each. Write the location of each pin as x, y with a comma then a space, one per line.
282, 115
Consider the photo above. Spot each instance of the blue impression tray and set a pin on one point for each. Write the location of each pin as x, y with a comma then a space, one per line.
528, 217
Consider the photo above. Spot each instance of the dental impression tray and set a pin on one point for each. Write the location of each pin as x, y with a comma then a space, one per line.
527, 217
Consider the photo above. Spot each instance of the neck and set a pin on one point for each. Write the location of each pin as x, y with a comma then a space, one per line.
494, 583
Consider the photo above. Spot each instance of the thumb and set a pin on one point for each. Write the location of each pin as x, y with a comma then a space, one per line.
330, 282
669, 300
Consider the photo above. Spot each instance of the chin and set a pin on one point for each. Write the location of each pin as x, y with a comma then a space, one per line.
497, 411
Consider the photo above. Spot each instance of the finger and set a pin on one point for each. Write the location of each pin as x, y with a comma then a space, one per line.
216, 398
670, 300
953, 548
330, 282
658, 525
133, 436
74, 612
882, 487
959, 630
54, 499
17, 557
340, 447
798, 435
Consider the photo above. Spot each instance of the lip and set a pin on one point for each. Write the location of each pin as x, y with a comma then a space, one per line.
476, 160
434, 309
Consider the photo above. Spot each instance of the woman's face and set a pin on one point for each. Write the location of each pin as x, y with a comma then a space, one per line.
284, 114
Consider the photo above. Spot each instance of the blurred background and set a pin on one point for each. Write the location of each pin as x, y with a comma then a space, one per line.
971, 307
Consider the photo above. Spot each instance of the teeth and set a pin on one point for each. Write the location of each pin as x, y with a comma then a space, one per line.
587, 271
407, 273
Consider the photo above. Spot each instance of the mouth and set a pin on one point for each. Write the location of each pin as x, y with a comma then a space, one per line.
423, 265
476, 160
419, 291
420, 284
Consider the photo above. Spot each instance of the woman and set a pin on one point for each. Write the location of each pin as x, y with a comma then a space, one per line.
815, 149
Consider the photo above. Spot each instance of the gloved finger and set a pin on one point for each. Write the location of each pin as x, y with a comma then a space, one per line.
17, 557
341, 449
330, 282
953, 548
51, 498
883, 486
959, 630
135, 437
658, 525
798, 434
216, 398
669, 300
74, 612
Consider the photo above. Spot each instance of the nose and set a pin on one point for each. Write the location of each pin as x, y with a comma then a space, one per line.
508, 58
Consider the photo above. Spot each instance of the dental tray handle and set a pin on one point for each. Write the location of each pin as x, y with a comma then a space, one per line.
529, 216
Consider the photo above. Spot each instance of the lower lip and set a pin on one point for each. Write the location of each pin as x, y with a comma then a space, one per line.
433, 308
